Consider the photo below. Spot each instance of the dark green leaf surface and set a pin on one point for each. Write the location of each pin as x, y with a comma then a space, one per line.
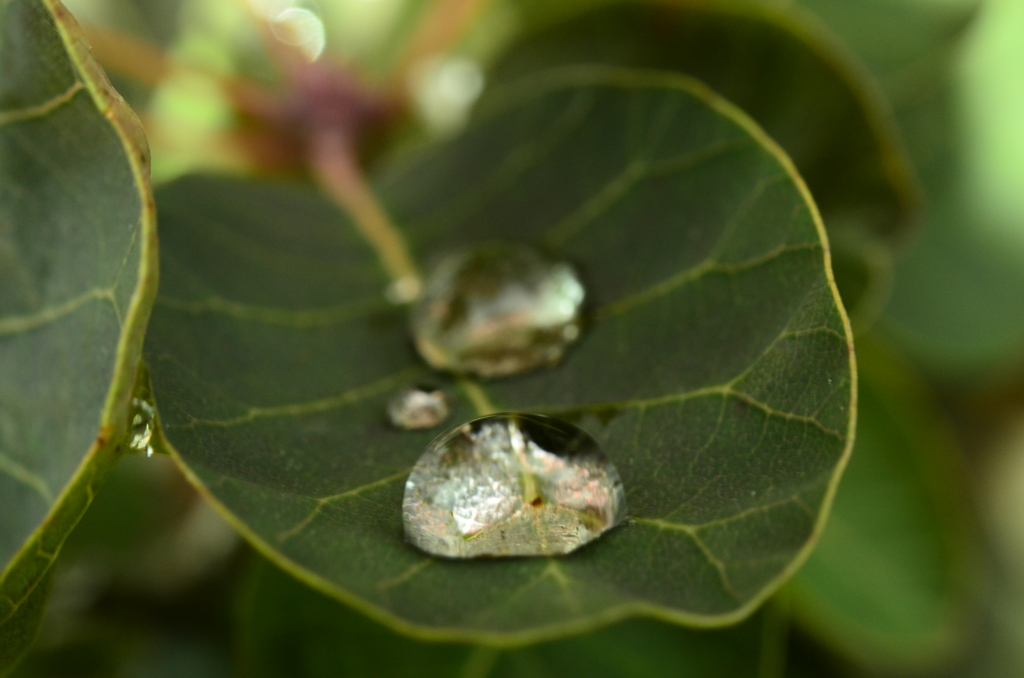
77, 277
807, 92
286, 629
956, 303
716, 368
898, 41
888, 582
19, 629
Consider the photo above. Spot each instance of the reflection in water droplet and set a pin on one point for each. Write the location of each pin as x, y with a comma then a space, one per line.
497, 310
142, 426
511, 485
413, 408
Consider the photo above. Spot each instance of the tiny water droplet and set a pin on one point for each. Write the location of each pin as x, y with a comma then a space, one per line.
511, 484
142, 426
413, 408
497, 310
404, 290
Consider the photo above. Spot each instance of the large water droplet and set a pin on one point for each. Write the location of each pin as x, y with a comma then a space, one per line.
497, 310
511, 485
413, 408
142, 426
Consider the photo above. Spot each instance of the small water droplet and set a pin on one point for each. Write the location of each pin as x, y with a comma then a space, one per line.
142, 426
404, 290
413, 408
497, 310
511, 485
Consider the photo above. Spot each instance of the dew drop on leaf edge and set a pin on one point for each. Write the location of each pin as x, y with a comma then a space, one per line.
511, 484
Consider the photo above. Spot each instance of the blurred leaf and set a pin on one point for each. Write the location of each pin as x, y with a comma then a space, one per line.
106, 650
715, 370
77, 277
956, 304
149, 532
800, 85
889, 583
19, 629
900, 41
287, 629
142, 500
156, 21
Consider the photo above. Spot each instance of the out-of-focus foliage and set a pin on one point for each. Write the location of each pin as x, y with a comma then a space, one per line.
142, 585
285, 628
891, 579
956, 302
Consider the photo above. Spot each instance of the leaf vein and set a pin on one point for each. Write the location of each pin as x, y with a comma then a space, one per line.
26, 477
690, 275
298, 319
9, 117
349, 397
716, 563
325, 501
25, 323
410, 572
510, 169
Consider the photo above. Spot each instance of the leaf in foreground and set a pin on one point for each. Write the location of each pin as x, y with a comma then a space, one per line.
287, 629
77, 277
715, 369
889, 582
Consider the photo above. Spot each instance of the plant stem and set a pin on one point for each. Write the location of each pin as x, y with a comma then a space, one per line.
146, 63
333, 161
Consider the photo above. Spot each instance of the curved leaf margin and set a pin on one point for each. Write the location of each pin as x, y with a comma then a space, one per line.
29, 567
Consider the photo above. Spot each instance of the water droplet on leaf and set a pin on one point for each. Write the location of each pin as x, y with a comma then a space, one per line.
497, 310
511, 485
413, 408
142, 426
403, 290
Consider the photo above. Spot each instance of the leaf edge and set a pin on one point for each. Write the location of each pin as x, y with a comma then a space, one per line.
108, 445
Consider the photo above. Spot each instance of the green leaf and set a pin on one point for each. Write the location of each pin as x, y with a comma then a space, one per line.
956, 306
797, 82
898, 40
287, 629
19, 629
890, 581
130, 646
77, 278
716, 369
